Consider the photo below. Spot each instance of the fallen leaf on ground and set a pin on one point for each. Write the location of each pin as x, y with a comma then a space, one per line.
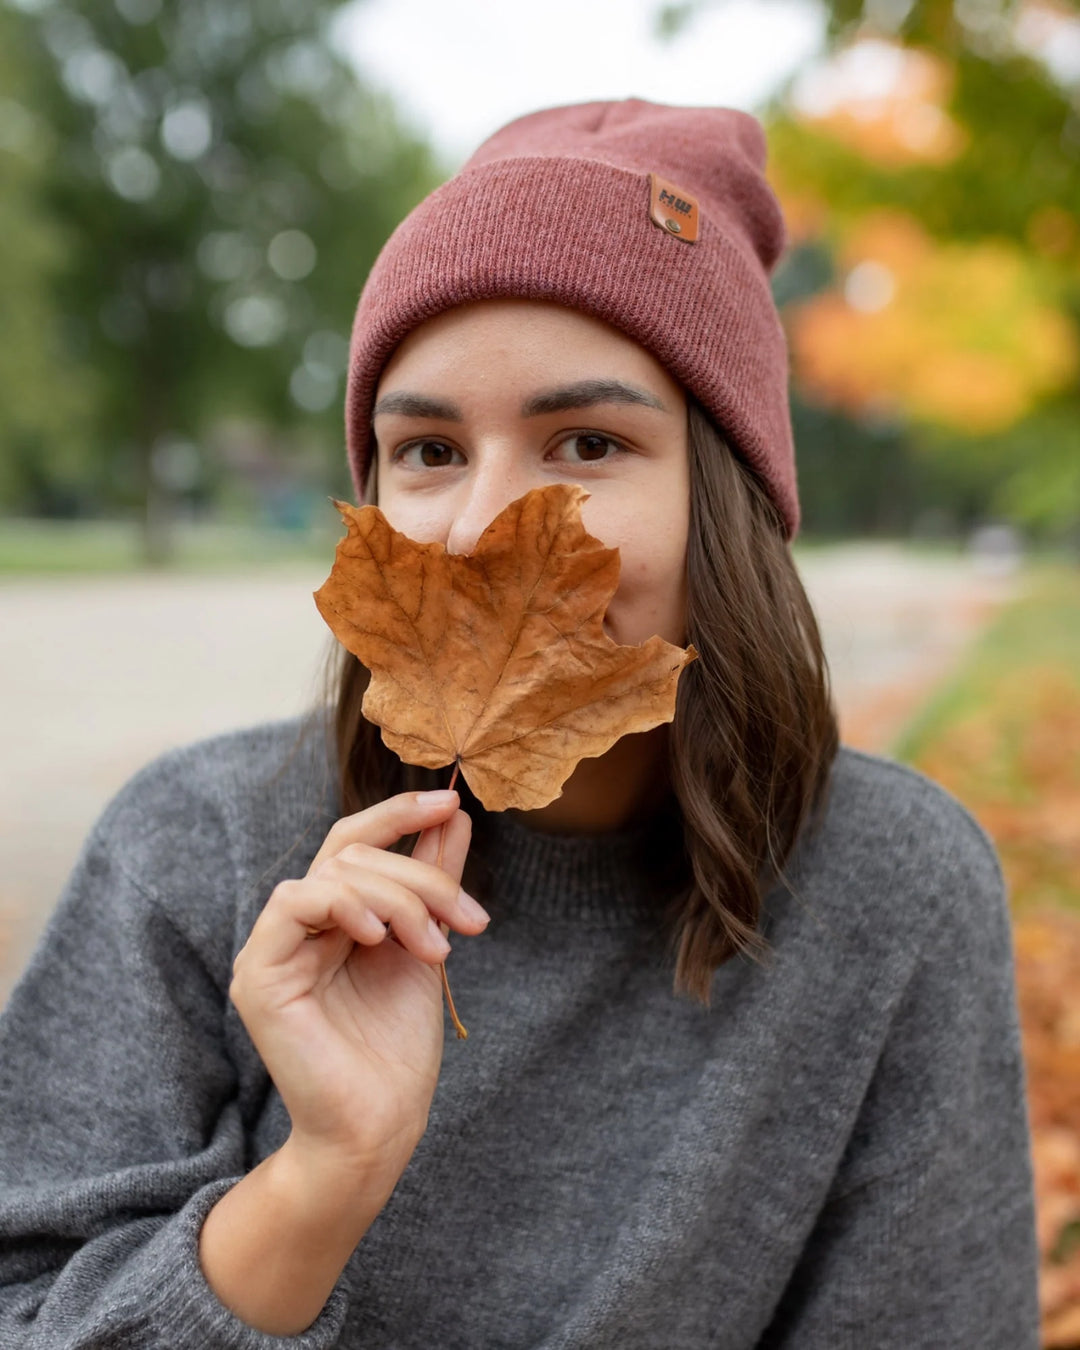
496, 660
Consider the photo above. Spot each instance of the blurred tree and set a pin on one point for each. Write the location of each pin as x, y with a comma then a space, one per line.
225, 183
935, 154
46, 399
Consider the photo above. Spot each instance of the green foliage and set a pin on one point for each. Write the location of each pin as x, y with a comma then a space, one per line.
671, 19
221, 183
1030, 472
871, 480
45, 398
1016, 179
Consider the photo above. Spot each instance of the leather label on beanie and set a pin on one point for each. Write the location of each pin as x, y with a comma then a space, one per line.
674, 210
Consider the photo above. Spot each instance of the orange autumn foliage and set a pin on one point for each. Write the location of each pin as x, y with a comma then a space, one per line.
1048, 988
886, 101
496, 660
962, 337
1015, 763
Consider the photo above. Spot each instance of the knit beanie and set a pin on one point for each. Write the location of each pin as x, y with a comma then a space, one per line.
656, 219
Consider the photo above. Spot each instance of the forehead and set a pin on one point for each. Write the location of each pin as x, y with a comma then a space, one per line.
521, 342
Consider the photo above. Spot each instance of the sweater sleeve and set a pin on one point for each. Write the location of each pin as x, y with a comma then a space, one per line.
120, 1115
927, 1238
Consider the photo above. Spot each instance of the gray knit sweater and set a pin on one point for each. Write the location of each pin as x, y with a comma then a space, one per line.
834, 1157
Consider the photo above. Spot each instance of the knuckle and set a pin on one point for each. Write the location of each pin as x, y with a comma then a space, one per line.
286, 895
331, 867
441, 885
356, 852
339, 830
285, 890
401, 903
448, 890
395, 895
416, 906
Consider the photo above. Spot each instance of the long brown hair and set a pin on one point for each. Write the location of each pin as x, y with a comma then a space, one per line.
755, 731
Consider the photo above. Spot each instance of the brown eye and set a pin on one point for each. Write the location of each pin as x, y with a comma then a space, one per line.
425, 455
590, 447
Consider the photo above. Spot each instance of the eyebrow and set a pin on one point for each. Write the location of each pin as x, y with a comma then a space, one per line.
582, 394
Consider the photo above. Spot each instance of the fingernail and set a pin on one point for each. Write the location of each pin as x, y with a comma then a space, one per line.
437, 937
471, 909
443, 797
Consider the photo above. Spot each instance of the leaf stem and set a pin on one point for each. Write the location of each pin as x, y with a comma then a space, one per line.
462, 1034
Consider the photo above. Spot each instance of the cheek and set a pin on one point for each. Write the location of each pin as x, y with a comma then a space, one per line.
423, 522
653, 570
651, 597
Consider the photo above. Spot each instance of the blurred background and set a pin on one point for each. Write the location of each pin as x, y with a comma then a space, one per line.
190, 199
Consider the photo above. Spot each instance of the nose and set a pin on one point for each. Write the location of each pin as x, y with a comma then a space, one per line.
488, 490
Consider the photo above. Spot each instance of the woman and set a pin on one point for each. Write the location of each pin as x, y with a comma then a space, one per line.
744, 1068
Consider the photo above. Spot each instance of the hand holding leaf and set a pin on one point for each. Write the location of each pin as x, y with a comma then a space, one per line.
496, 661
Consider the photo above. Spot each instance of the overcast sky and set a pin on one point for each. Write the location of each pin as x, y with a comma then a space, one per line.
459, 69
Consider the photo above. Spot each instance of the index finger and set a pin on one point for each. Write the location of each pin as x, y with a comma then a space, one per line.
387, 821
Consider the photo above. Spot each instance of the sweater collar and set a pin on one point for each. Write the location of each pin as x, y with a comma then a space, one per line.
620, 878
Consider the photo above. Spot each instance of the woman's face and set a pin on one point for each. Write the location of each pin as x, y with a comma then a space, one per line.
485, 401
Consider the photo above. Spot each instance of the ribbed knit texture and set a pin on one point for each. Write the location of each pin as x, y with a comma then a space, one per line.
834, 1157
555, 206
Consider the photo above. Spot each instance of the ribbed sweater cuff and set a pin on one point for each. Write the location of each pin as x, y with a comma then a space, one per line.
187, 1314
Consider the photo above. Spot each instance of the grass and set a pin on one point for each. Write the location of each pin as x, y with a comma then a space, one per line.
47, 547
1003, 735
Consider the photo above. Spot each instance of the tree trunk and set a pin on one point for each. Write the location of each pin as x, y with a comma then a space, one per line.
156, 517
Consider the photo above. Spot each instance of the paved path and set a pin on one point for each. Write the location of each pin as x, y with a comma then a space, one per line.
101, 674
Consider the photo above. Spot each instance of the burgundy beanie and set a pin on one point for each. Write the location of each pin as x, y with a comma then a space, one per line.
656, 219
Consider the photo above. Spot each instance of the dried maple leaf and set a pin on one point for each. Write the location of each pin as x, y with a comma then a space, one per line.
496, 660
